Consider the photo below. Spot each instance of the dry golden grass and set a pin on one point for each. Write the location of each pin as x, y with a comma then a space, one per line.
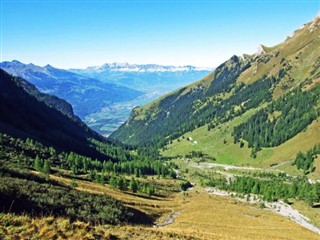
25, 227
213, 217
203, 216
154, 206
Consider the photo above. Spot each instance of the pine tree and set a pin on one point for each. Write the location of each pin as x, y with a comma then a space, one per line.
122, 184
91, 175
46, 167
134, 185
113, 182
102, 179
37, 164
136, 172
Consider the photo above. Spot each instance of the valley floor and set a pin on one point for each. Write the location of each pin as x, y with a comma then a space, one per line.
194, 214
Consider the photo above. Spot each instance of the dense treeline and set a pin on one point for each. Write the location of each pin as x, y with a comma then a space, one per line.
281, 120
304, 161
35, 155
216, 110
245, 98
271, 189
81, 165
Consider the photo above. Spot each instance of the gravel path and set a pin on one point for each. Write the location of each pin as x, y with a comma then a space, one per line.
226, 167
169, 220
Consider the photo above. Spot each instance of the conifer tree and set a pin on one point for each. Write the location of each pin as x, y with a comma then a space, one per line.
37, 164
46, 167
134, 185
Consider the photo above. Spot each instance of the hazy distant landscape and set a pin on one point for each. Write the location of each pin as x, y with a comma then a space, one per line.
150, 79
104, 97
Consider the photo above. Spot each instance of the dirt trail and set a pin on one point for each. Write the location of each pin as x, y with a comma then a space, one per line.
169, 220
226, 167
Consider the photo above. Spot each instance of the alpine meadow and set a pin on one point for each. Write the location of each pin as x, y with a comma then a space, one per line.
180, 149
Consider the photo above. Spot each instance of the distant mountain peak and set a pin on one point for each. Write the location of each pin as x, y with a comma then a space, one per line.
260, 50
15, 61
126, 67
49, 66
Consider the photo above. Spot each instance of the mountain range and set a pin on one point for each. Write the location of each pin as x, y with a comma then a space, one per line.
126, 67
145, 77
87, 95
103, 97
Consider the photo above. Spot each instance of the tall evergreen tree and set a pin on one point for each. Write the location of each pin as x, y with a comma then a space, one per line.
134, 185
46, 167
38, 164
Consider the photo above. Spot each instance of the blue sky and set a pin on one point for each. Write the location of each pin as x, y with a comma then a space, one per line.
203, 33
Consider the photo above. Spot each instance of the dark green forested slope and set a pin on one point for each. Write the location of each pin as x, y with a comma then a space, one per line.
50, 100
177, 112
239, 84
23, 115
281, 120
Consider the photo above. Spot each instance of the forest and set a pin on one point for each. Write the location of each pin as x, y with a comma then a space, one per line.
271, 188
280, 121
305, 161
19, 158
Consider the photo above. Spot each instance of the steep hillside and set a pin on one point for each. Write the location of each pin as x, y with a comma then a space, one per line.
50, 100
23, 115
289, 70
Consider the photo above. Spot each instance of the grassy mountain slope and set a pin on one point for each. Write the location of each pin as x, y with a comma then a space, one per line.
238, 86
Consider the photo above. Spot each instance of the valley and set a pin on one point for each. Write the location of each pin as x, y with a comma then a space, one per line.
217, 217
147, 151
150, 79
103, 97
